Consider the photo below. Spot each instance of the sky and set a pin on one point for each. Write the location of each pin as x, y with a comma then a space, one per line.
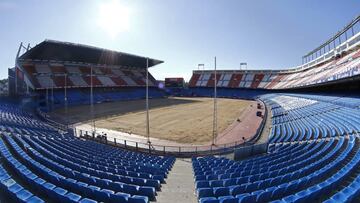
266, 34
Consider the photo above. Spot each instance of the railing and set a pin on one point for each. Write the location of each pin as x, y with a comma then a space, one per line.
53, 123
178, 151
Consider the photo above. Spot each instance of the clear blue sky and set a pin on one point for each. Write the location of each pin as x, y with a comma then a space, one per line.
264, 33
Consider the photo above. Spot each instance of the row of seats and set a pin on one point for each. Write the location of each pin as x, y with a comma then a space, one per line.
78, 96
313, 155
329, 70
98, 178
10, 189
289, 173
45, 75
294, 121
11, 115
63, 168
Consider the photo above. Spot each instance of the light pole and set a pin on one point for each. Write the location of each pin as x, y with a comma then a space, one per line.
243, 64
215, 106
92, 100
65, 99
147, 102
47, 94
201, 64
52, 95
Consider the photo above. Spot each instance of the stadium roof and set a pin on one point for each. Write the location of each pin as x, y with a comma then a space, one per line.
65, 51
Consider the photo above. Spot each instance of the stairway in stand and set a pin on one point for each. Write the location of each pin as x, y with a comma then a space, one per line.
179, 187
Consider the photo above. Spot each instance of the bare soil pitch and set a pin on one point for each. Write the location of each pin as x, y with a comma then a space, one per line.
183, 120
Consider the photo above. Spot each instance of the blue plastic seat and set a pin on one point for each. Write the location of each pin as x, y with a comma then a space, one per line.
59, 194
153, 183
139, 181
202, 184
238, 190
208, 200
248, 199
86, 200
216, 183
230, 182
147, 191
278, 192
251, 187
89, 191
119, 197
228, 199
138, 199
130, 189
205, 192
264, 196
242, 196
72, 197
221, 191
24, 195
34, 199
116, 186
14, 189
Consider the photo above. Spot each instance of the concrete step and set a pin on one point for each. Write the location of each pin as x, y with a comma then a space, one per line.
179, 187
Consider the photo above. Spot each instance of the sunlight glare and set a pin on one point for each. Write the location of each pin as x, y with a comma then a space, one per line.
113, 17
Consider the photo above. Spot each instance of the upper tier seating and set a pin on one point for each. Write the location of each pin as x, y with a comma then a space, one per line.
335, 69
49, 75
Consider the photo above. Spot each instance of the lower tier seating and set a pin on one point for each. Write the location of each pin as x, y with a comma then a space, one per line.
308, 171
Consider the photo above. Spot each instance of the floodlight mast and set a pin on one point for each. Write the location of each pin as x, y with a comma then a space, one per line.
47, 94
201, 64
16, 59
92, 100
52, 95
21, 47
215, 107
65, 99
147, 102
243, 64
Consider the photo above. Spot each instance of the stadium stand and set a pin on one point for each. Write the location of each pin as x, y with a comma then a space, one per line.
336, 68
313, 156
299, 118
4, 87
54, 66
78, 96
63, 168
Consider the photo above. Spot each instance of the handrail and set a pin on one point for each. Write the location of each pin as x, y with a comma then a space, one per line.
53, 123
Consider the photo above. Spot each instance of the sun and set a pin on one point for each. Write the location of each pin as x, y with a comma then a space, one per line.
113, 17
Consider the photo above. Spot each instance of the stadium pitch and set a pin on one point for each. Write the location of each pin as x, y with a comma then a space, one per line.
181, 120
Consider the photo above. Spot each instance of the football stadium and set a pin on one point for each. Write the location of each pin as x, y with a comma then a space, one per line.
83, 123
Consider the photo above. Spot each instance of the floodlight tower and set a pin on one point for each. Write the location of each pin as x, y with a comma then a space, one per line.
215, 107
147, 102
47, 94
201, 64
65, 98
92, 101
243, 64
52, 94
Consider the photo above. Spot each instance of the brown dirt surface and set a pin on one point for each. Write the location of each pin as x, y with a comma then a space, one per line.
183, 120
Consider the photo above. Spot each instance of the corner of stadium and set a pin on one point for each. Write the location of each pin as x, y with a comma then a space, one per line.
87, 124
